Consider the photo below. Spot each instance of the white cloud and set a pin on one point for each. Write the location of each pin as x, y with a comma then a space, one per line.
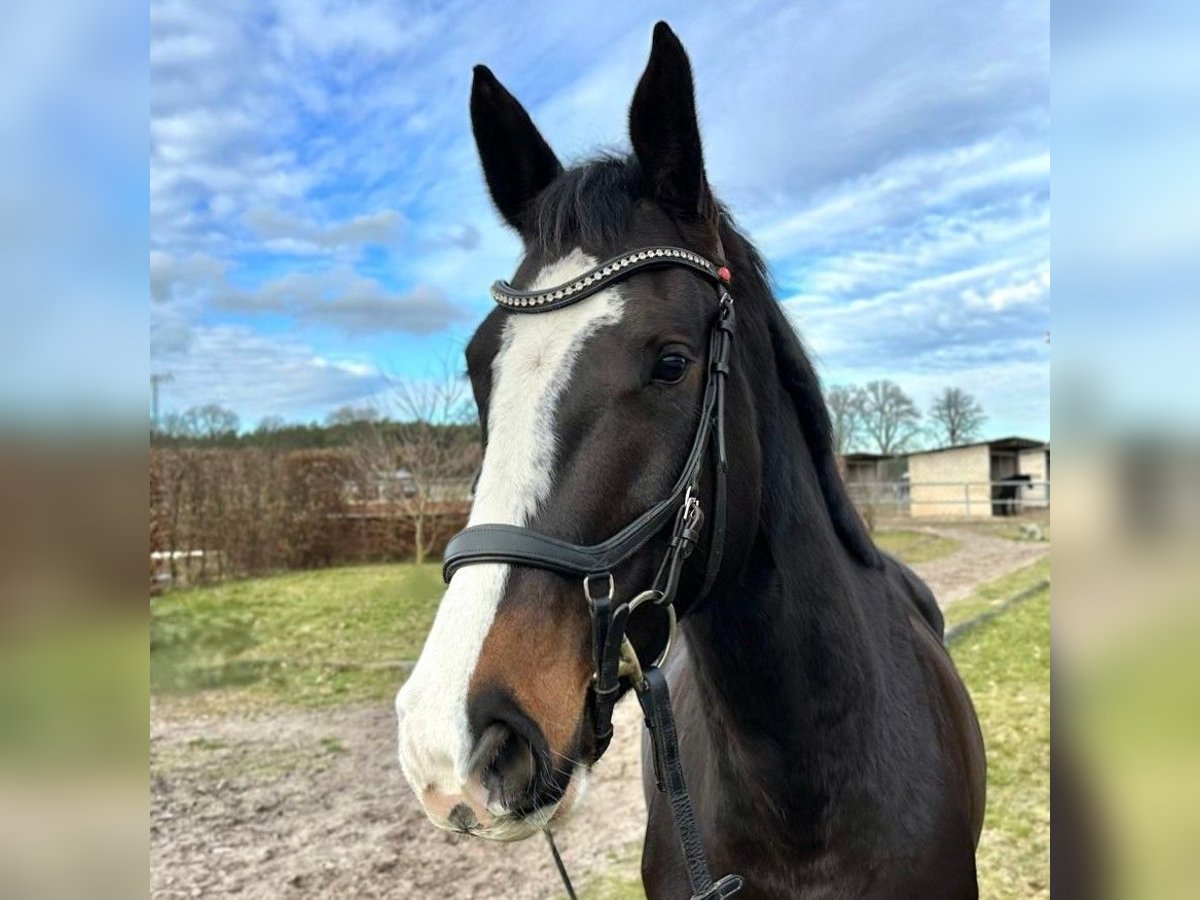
176, 279
1012, 294
892, 164
341, 299
335, 297
292, 234
259, 375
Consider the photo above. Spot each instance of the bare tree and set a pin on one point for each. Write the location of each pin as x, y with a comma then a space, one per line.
956, 417
348, 415
200, 422
172, 424
414, 464
270, 424
846, 414
890, 418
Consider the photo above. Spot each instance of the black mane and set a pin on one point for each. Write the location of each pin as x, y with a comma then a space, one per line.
802, 384
590, 205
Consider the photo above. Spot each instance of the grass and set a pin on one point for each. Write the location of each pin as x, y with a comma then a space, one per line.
315, 638
303, 638
993, 595
1006, 665
621, 878
915, 546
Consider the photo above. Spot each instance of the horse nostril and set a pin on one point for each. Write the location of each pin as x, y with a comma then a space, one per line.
462, 817
506, 764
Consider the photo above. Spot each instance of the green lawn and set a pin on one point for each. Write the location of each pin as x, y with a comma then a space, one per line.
993, 595
915, 546
1006, 665
305, 638
311, 638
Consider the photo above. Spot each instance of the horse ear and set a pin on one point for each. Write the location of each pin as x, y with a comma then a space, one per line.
517, 161
664, 131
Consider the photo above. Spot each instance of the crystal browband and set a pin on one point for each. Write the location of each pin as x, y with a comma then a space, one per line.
602, 275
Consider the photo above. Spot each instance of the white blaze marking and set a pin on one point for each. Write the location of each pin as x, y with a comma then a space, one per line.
535, 359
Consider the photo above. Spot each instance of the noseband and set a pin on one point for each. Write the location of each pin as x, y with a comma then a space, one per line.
613, 655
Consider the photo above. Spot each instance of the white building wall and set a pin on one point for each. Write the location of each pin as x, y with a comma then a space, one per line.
951, 482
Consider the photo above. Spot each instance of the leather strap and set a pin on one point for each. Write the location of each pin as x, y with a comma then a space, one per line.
719, 366
655, 699
616, 269
608, 630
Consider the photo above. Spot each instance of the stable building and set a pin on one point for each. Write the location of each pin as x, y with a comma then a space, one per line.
1001, 477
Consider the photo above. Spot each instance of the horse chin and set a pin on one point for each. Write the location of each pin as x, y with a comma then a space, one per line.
509, 828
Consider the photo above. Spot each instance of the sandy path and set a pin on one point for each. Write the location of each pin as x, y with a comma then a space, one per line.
981, 558
304, 803
301, 804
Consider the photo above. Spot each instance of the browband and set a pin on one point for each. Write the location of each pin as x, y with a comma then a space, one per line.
593, 280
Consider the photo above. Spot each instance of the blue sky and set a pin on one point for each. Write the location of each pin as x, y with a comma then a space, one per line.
318, 219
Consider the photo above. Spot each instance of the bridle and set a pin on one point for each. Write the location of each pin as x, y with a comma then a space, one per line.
613, 655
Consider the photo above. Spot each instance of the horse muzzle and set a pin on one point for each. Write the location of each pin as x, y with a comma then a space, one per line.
507, 789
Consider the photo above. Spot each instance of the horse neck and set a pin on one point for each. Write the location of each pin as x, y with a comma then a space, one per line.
783, 652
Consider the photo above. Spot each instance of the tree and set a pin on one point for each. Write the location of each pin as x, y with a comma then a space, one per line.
413, 465
890, 418
348, 415
171, 424
956, 417
270, 425
211, 421
846, 415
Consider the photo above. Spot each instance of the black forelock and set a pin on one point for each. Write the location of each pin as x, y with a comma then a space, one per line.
588, 205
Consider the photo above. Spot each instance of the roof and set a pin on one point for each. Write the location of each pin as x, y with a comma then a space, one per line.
867, 457
1004, 443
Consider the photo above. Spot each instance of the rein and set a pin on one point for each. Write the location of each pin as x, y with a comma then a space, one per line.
613, 655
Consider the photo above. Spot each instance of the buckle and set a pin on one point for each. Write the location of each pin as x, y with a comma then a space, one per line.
722, 888
587, 588
688, 523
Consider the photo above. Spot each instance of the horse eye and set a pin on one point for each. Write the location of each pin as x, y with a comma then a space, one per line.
670, 369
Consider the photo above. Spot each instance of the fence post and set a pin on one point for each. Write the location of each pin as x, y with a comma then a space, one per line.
966, 498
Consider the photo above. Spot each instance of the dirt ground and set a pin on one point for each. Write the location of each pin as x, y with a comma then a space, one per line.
980, 558
303, 803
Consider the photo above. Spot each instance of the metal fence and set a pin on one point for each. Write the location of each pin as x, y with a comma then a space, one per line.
931, 499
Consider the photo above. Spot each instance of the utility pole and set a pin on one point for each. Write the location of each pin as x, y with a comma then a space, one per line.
156, 379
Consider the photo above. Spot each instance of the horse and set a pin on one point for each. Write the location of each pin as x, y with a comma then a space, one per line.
830, 747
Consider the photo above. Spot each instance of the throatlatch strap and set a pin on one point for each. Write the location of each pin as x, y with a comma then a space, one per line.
655, 698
